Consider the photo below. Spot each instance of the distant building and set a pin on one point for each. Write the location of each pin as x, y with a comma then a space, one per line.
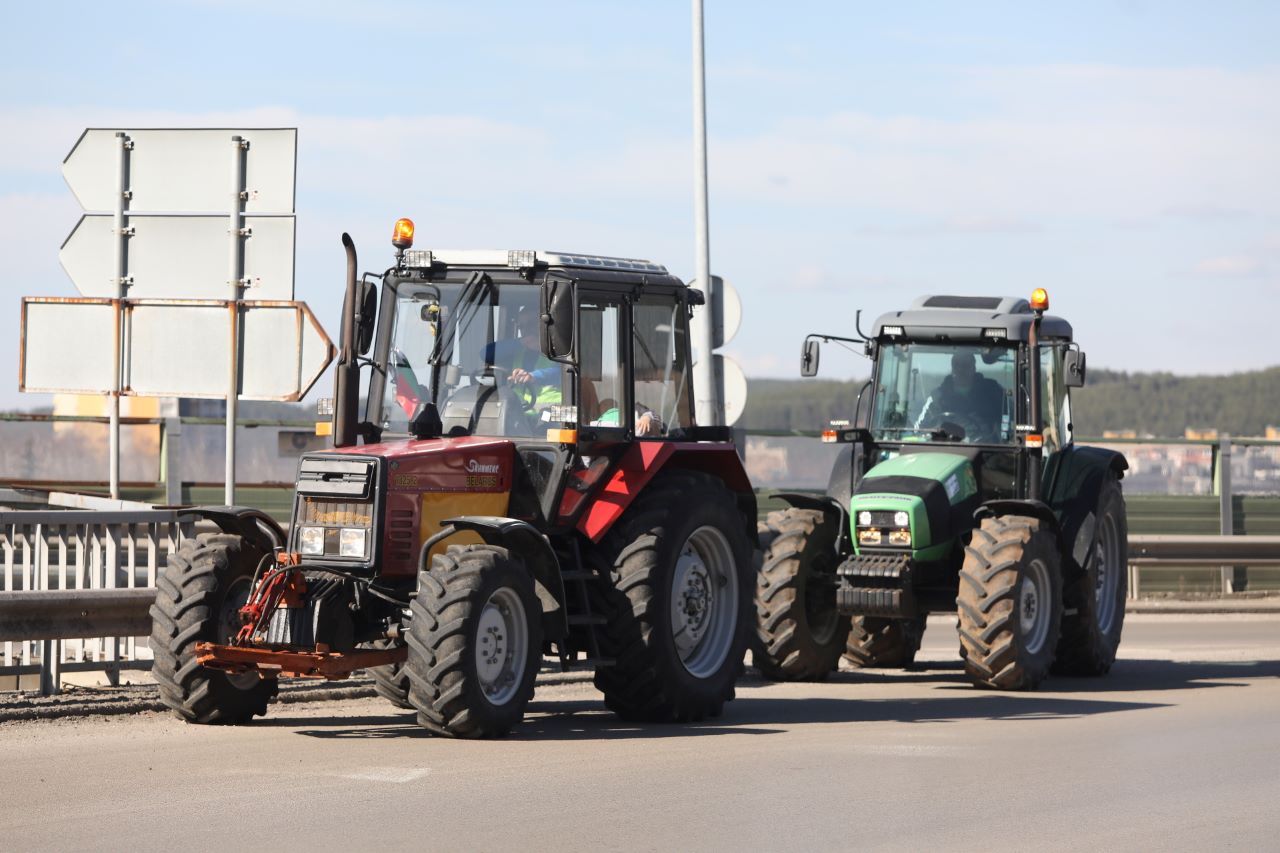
1195, 434
1120, 433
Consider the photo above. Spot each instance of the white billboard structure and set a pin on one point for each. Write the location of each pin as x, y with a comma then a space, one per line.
185, 260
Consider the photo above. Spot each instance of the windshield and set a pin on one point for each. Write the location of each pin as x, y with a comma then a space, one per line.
472, 349
945, 392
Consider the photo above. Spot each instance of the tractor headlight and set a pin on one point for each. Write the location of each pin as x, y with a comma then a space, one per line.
900, 537
311, 540
864, 518
869, 536
901, 519
351, 542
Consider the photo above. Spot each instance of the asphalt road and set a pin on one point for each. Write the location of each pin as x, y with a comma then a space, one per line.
1179, 748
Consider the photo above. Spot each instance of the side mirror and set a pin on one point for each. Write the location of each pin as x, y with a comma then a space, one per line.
1073, 368
809, 358
556, 332
366, 316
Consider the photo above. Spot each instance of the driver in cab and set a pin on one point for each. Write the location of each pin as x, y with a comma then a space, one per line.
535, 377
967, 394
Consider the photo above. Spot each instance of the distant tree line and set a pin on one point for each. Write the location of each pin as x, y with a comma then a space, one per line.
1158, 404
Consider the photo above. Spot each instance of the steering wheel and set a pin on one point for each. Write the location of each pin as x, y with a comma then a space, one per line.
967, 424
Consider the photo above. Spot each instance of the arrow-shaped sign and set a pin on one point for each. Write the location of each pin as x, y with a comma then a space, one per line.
184, 170
180, 257
172, 348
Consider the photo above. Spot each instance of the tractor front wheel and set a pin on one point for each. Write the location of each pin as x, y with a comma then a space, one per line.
800, 635
1010, 603
678, 607
198, 599
475, 642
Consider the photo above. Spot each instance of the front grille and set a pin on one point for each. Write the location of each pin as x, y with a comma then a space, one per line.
400, 534
351, 478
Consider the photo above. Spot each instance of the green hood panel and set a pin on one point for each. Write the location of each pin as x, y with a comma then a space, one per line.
932, 466
938, 491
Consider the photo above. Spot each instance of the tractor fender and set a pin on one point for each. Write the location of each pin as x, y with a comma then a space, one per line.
1078, 476
643, 460
523, 539
1029, 508
832, 509
248, 523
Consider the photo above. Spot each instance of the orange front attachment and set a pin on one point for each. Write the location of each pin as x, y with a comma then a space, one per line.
321, 663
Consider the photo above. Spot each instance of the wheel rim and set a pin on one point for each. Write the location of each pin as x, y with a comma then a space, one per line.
1033, 606
229, 625
1107, 568
502, 637
704, 602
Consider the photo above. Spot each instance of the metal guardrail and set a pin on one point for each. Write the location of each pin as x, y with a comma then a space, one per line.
76, 595
74, 589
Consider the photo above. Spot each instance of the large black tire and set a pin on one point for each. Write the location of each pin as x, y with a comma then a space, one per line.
879, 643
1091, 634
198, 598
390, 680
1010, 603
800, 635
475, 642
683, 541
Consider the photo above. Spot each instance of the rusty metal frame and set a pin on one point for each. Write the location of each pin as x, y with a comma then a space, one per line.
124, 308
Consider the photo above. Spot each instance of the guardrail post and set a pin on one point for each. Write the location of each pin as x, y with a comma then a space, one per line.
1226, 510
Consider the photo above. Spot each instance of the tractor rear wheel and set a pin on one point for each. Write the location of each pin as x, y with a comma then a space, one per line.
475, 642
1091, 635
879, 643
1010, 603
678, 608
799, 633
198, 599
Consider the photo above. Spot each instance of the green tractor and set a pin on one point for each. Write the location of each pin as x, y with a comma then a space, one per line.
959, 490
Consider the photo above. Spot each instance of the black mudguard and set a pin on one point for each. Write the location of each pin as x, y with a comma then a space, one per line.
523, 539
1075, 479
249, 523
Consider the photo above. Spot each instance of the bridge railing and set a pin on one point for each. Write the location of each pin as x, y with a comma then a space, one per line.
75, 587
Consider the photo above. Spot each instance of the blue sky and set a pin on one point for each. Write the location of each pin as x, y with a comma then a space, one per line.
1121, 154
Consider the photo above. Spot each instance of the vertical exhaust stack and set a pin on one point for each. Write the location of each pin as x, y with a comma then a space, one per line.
346, 380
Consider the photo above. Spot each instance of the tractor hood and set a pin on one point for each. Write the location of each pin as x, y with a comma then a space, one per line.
938, 491
423, 482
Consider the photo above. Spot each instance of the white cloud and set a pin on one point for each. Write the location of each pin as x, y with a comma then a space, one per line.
1230, 266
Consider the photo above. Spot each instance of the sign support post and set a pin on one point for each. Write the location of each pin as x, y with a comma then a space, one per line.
121, 244
237, 233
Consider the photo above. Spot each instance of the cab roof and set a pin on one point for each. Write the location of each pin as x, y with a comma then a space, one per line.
968, 318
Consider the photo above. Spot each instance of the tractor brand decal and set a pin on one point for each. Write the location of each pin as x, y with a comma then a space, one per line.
447, 472
952, 486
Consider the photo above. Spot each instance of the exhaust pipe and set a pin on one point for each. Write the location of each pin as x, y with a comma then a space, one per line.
346, 378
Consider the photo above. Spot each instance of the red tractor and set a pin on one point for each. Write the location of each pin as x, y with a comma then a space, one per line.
527, 479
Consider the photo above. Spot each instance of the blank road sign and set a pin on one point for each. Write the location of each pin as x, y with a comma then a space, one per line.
181, 257
181, 349
68, 346
184, 170
171, 348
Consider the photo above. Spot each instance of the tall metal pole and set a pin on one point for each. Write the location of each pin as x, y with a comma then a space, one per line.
707, 406
123, 145
236, 267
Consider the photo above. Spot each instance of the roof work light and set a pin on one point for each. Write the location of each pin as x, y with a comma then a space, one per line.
1039, 299
402, 234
